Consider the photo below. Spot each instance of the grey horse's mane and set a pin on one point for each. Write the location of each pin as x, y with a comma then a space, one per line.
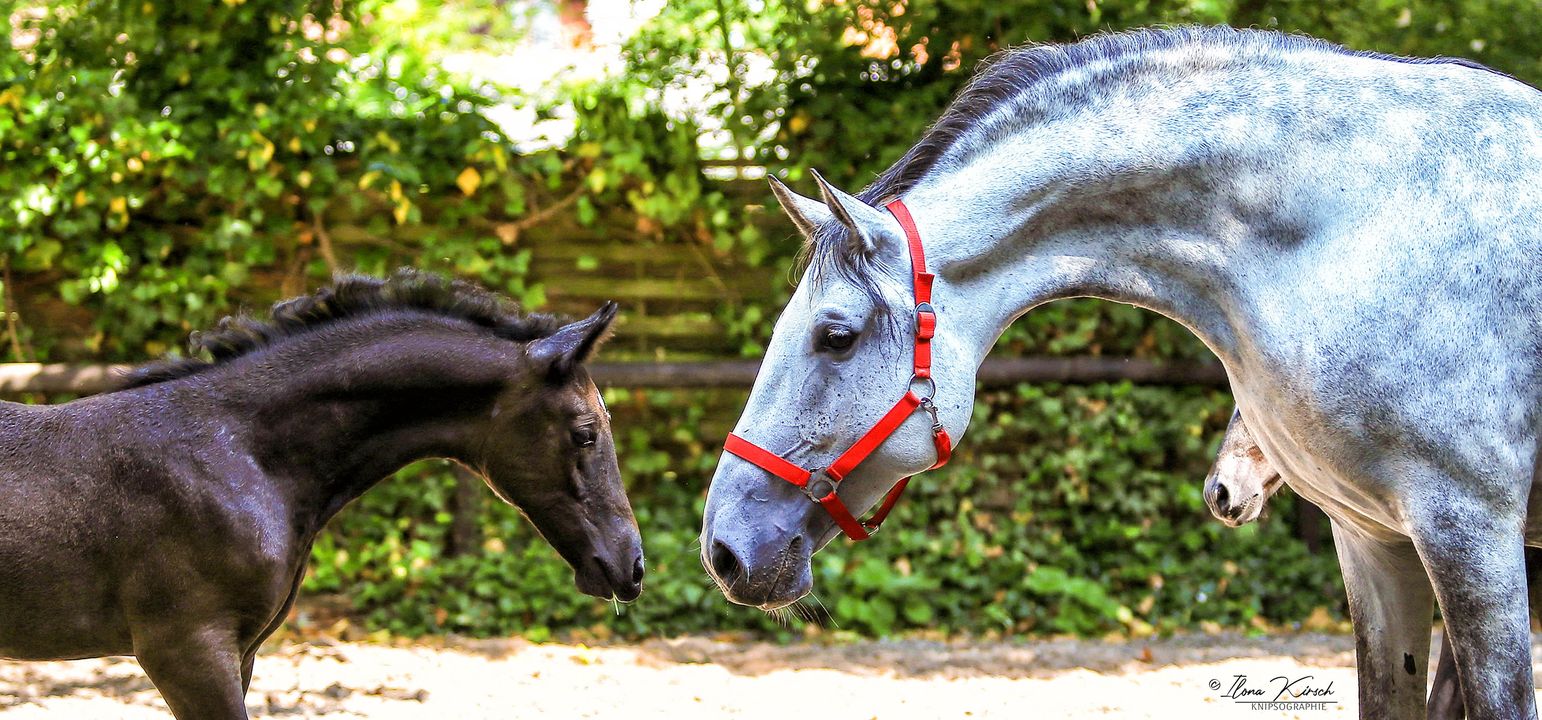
1010, 76
350, 296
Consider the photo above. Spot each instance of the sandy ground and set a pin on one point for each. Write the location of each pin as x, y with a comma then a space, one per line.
701, 678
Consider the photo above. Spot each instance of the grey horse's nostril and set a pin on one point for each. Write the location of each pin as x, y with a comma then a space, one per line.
637, 570
1221, 496
725, 565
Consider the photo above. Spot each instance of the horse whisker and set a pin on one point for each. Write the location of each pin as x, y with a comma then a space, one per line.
827, 615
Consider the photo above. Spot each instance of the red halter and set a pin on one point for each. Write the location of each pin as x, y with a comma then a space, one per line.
820, 486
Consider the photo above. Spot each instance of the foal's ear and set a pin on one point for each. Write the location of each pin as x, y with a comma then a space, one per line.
566, 349
869, 226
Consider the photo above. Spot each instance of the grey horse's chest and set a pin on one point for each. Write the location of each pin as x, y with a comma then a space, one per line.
1327, 469
1352, 379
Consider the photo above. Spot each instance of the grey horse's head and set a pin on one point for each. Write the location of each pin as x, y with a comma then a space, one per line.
840, 357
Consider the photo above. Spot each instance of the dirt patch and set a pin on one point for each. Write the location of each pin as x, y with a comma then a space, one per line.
702, 678
917, 659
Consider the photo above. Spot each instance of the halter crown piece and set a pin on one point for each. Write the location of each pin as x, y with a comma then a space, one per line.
820, 485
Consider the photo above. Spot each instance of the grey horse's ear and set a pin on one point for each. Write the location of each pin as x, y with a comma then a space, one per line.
868, 225
806, 213
573, 344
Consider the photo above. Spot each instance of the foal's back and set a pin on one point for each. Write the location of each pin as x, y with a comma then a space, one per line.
51, 457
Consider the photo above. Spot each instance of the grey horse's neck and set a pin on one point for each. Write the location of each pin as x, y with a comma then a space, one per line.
1136, 236
1194, 181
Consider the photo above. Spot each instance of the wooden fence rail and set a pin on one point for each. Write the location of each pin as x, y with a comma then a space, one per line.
54, 378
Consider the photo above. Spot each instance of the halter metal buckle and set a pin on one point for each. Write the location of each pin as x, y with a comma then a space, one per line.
923, 309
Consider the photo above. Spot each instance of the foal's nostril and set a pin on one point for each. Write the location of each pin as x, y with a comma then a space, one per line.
725, 565
637, 570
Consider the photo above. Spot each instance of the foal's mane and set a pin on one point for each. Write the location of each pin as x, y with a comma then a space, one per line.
349, 297
1011, 76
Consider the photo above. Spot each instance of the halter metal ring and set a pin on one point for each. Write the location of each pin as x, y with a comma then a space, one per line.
819, 486
931, 386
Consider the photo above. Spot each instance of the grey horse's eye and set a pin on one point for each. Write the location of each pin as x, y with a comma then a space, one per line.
838, 337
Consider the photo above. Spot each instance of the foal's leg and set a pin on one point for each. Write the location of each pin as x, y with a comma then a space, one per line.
1391, 605
197, 669
1474, 553
249, 656
1446, 694
248, 663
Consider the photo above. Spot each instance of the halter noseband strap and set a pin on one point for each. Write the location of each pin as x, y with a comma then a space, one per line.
820, 486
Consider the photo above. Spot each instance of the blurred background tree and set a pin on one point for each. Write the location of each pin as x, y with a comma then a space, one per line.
165, 163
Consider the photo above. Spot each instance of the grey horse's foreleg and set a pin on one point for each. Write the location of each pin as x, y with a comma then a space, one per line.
1446, 690
1391, 604
1473, 551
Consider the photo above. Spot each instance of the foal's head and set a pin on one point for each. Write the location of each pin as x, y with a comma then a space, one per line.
418, 365
1242, 479
547, 449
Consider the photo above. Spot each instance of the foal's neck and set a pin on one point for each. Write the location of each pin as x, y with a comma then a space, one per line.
330, 416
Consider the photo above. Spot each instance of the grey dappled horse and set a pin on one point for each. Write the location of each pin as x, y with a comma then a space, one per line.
1240, 483
1354, 235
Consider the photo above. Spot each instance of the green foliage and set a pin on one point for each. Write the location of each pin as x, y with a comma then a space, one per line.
852, 85
164, 163
154, 155
1068, 510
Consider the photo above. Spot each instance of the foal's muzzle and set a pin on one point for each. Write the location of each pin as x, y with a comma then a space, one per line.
612, 579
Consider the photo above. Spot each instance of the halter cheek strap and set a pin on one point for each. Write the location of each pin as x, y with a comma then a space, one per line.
820, 485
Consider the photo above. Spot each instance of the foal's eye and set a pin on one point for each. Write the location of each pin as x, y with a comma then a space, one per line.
838, 337
585, 436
